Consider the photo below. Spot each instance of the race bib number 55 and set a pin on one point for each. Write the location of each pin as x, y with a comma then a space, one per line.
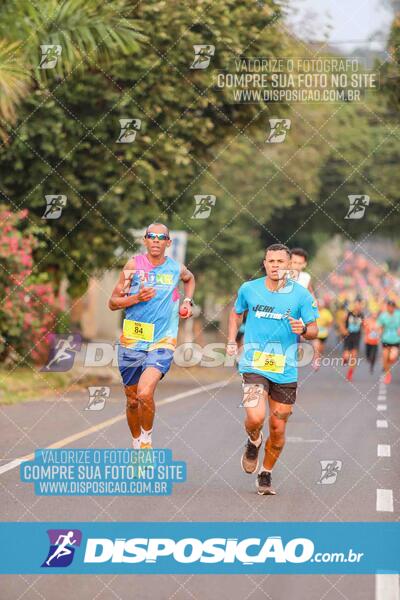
137, 330
272, 363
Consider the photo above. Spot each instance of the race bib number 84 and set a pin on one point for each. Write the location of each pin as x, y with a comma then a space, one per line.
137, 330
272, 363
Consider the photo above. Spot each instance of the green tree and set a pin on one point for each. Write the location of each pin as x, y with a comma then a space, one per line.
67, 144
297, 192
390, 75
361, 162
87, 31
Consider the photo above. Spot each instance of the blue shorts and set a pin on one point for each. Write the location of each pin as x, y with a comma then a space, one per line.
133, 362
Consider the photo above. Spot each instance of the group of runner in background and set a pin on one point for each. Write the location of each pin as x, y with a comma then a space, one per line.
360, 301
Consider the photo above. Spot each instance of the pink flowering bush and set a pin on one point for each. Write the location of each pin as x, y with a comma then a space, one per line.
29, 307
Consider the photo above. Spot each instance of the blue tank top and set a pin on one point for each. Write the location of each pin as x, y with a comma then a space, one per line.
153, 324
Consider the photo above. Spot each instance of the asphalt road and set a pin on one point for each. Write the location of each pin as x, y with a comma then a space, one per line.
333, 420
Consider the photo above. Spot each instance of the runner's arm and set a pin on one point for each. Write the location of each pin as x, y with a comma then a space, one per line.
343, 326
189, 282
119, 298
235, 321
311, 332
379, 325
297, 326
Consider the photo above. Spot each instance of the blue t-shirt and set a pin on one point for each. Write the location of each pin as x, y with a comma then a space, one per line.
391, 325
270, 346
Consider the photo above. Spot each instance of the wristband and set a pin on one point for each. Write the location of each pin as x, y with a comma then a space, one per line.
188, 300
304, 330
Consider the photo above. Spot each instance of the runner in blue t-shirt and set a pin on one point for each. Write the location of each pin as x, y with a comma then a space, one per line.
279, 310
389, 321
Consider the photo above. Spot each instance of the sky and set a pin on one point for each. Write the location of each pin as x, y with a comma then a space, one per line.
352, 20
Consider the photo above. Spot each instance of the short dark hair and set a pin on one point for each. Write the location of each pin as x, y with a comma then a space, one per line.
148, 227
276, 247
300, 252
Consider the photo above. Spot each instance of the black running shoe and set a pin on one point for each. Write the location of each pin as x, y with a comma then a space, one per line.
250, 456
264, 485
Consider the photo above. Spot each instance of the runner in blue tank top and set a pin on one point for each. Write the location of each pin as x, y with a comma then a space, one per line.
279, 310
148, 291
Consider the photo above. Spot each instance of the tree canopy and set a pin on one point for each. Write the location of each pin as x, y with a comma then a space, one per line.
134, 66
66, 140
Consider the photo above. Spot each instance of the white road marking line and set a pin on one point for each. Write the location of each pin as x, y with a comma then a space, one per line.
77, 436
14, 463
387, 587
384, 500
381, 407
381, 423
383, 450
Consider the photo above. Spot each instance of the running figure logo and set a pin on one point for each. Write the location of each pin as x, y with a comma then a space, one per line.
62, 354
329, 471
97, 397
62, 547
279, 129
357, 206
253, 395
54, 206
50, 56
204, 204
287, 276
202, 56
129, 128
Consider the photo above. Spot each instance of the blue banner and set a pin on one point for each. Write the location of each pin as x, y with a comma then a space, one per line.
200, 548
103, 472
